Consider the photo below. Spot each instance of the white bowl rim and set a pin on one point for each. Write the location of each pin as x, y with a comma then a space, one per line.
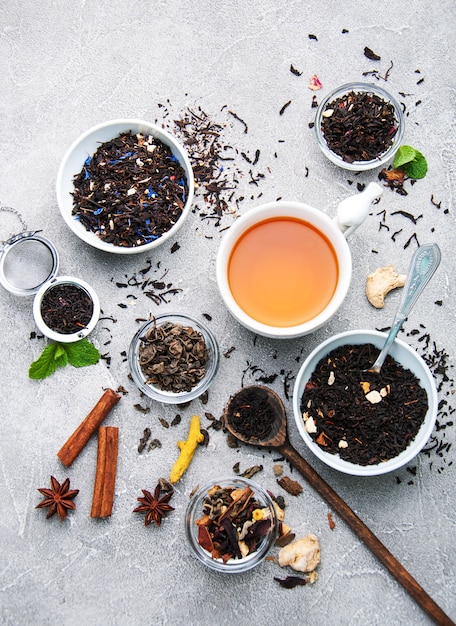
121, 125
299, 210
426, 381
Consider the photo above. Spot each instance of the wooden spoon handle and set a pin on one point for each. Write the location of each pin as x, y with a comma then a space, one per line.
367, 536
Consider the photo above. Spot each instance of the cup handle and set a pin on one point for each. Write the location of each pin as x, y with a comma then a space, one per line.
352, 211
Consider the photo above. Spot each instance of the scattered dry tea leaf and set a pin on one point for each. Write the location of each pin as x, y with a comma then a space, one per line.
331, 522
142, 409
144, 439
165, 485
370, 54
291, 486
251, 471
284, 540
291, 581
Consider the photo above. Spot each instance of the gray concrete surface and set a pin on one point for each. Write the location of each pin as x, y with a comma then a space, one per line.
66, 66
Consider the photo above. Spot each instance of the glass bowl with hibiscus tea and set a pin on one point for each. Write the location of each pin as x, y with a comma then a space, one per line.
174, 358
231, 524
358, 422
359, 126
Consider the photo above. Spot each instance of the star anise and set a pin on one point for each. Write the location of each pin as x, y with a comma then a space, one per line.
59, 498
155, 507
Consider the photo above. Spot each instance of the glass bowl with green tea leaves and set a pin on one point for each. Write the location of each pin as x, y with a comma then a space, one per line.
359, 126
361, 423
231, 524
173, 358
125, 186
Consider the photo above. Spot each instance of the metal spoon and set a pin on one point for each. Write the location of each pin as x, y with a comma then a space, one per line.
422, 267
278, 439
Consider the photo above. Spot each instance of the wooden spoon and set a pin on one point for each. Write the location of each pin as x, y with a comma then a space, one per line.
278, 439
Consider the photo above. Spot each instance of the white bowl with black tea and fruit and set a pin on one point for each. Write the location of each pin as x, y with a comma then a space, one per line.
361, 423
125, 186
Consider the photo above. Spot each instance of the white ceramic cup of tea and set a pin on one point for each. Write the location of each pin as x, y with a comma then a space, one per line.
284, 268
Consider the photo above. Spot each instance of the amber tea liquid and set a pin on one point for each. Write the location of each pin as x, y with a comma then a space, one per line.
283, 272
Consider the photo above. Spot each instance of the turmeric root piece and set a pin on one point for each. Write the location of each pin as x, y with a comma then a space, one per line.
187, 450
381, 282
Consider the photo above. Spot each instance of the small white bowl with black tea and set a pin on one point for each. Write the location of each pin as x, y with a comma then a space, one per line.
361, 423
125, 186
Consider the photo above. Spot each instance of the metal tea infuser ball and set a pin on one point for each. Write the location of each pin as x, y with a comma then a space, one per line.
28, 267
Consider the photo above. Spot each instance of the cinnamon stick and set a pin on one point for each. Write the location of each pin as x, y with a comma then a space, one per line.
105, 476
76, 442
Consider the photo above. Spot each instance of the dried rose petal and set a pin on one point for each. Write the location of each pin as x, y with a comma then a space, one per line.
315, 83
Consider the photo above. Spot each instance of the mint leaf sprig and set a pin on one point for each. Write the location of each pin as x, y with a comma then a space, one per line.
79, 354
411, 162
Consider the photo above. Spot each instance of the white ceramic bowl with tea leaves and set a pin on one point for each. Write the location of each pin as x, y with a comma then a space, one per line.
407, 358
348, 137
101, 202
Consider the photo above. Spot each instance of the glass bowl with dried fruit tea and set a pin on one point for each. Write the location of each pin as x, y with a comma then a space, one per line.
173, 358
361, 423
359, 126
125, 186
231, 524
